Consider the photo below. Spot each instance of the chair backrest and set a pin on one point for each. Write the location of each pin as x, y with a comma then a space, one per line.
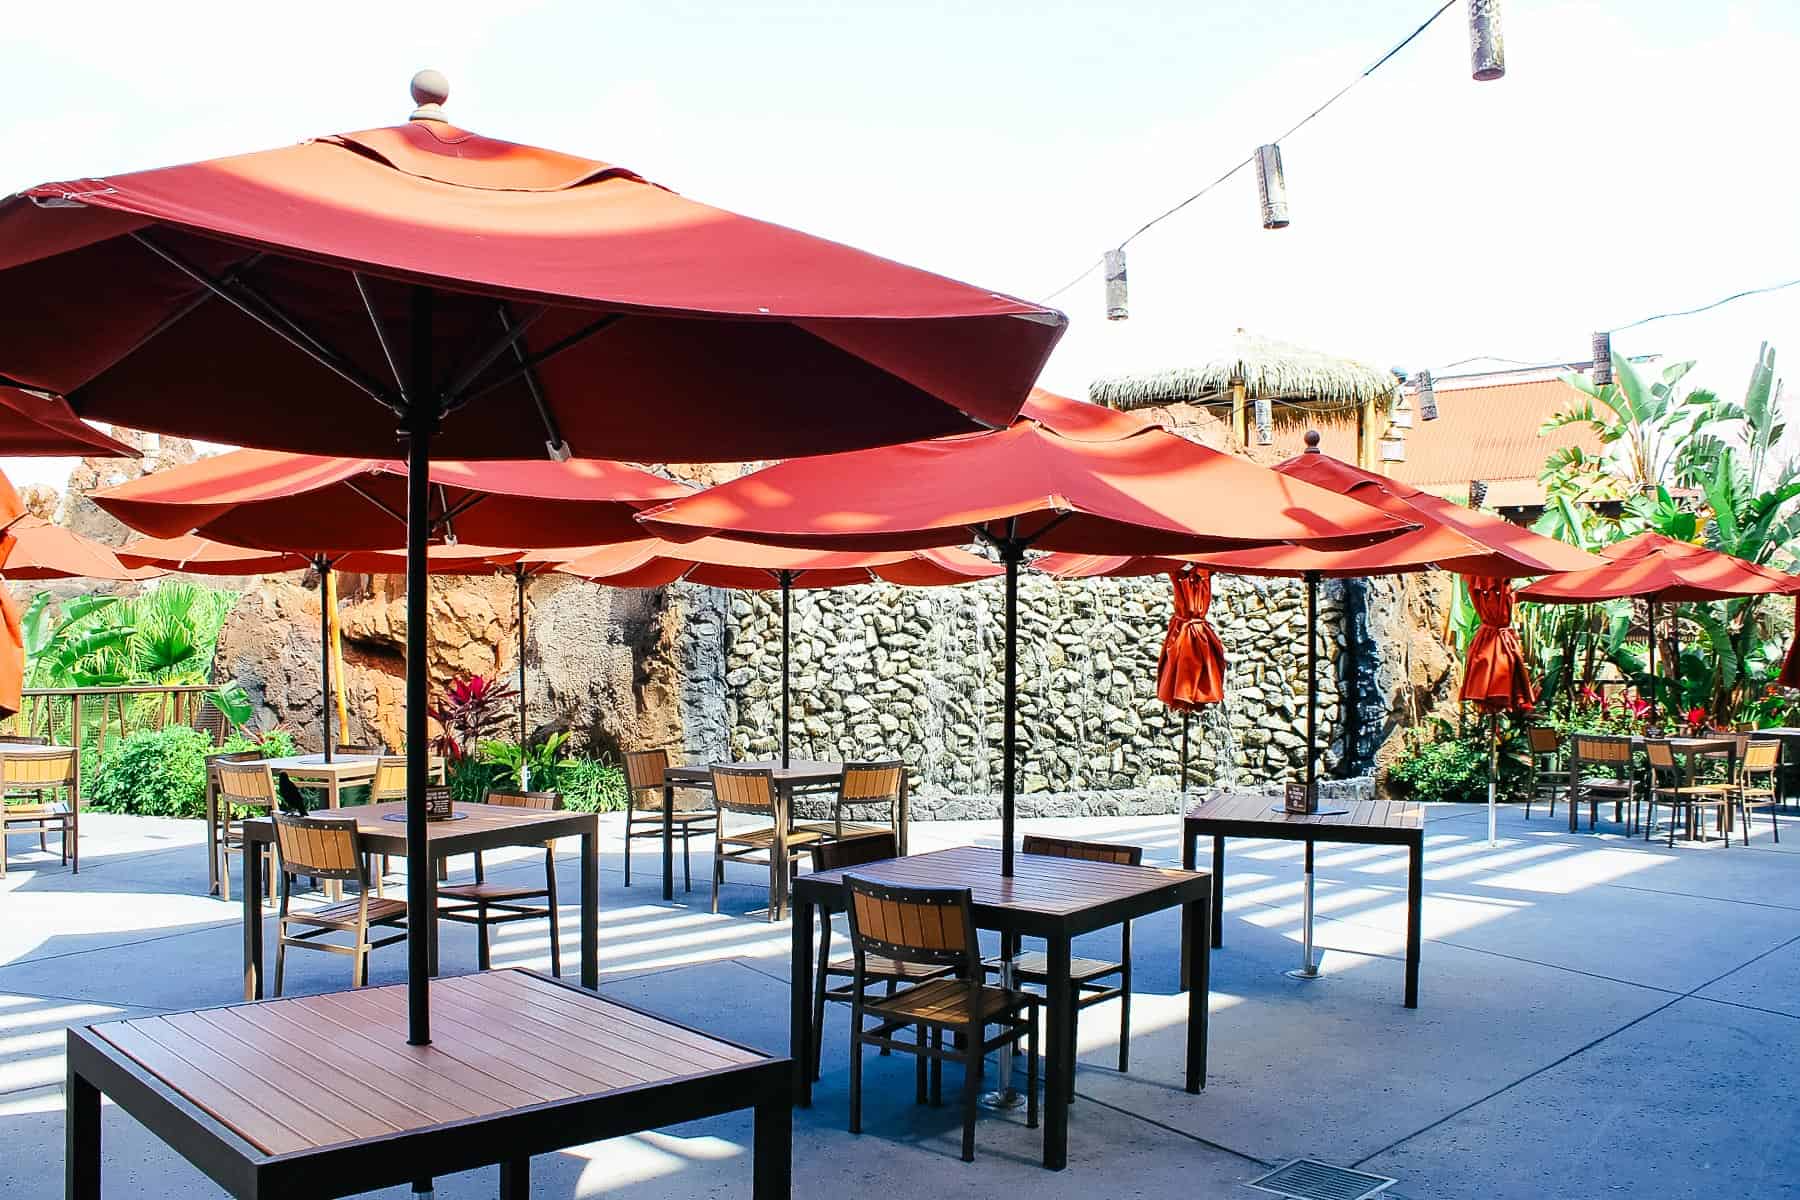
1662, 757
323, 847
1609, 750
37, 768
542, 801
1762, 756
389, 782
361, 750
1108, 852
854, 852
872, 781
745, 790
26, 739
250, 784
935, 926
644, 777
1544, 740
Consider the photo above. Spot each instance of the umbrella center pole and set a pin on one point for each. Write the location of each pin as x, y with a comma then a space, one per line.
787, 598
1312, 684
1493, 773
423, 410
1012, 553
1184, 750
1308, 968
1005, 1096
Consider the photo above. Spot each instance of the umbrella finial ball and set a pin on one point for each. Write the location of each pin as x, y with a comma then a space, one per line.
429, 91
1312, 441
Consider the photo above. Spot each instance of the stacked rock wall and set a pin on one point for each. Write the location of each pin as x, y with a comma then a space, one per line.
880, 671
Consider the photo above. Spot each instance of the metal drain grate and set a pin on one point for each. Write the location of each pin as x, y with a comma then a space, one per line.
1309, 1179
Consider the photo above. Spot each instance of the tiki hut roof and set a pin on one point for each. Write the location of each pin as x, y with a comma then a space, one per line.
1282, 371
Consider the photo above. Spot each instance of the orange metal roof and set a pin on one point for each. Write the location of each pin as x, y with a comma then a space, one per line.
1489, 432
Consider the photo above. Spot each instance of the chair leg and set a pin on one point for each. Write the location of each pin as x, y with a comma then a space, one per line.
891, 985
555, 914
818, 1028
920, 1065
937, 1066
856, 1068
687, 862
1774, 828
482, 954
224, 873
973, 1064
718, 879
1031, 1067
628, 848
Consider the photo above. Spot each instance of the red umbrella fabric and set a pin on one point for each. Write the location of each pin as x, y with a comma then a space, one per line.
42, 550
1147, 492
723, 563
12, 627
36, 424
311, 505
639, 302
1190, 672
191, 554
1495, 678
1663, 569
1790, 669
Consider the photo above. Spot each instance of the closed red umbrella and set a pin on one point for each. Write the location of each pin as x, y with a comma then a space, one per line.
1790, 668
1190, 671
1495, 678
723, 563
498, 301
12, 629
1027, 486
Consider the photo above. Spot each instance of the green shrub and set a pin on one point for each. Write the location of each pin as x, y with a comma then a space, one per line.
277, 743
153, 773
1439, 765
591, 785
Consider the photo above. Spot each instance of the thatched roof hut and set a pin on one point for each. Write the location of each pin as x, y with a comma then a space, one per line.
1294, 375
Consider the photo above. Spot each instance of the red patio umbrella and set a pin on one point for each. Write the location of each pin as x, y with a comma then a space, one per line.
723, 563
1026, 487
1190, 671
39, 424
43, 550
191, 554
498, 300
1662, 570
1790, 667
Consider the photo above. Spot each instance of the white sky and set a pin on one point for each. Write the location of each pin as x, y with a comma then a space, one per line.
1638, 157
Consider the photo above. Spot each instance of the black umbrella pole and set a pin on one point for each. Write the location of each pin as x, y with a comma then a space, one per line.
519, 574
324, 656
419, 425
1312, 683
787, 592
1009, 739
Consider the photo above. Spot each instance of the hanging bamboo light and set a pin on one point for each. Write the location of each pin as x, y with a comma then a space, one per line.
1487, 48
1265, 421
1271, 186
1428, 410
1401, 415
1116, 308
1602, 359
1478, 490
1393, 449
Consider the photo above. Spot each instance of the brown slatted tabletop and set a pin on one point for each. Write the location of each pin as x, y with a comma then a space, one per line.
321, 1095
1053, 898
479, 827
1356, 822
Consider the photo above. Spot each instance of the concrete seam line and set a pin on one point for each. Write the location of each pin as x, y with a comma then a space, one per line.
1192, 1137
1453, 1114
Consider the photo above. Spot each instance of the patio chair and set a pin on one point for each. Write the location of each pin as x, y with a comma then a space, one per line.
1549, 774
1095, 980
751, 791
247, 785
1759, 769
30, 780
483, 904
1667, 787
1602, 771
29, 739
644, 811
327, 847
933, 927
867, 785
834, 856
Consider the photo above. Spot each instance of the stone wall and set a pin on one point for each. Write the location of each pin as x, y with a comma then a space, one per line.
880, 670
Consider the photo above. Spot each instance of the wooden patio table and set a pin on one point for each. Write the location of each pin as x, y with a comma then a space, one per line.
1691, 749
799, 776
381, 830
1364, 822
306, 770
309, 1097
1053, 898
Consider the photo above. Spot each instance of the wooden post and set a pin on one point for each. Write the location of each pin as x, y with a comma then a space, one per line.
337, 653
1240, 415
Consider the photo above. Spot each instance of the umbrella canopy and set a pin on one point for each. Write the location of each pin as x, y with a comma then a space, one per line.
34, 424
314, 505
499, 301
575, 303
723, 563
1190, 672
12, 628
1495, 678
1027, 486
1663, 569
191, 554
43, 550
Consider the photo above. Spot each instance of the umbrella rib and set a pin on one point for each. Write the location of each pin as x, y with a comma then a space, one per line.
542, 356
374, 500
270, 316
512, 334
387, 348
555, 439
175, 318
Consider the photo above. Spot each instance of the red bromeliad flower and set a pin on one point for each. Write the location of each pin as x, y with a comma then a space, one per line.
1696, 715
1640, 707
1589, 695
470, 710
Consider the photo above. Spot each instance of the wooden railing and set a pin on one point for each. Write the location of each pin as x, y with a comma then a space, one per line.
101, 716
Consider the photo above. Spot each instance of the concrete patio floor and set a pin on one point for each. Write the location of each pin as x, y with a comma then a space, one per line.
1598, 1016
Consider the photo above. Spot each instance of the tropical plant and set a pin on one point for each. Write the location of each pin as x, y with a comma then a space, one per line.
68, 646
167, 635
1642, 425
153, 773
468, 712
1438, 763
592, 785
537, 765
234, 703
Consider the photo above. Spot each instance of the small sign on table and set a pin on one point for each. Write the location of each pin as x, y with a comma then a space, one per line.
1302, 799
437, 803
